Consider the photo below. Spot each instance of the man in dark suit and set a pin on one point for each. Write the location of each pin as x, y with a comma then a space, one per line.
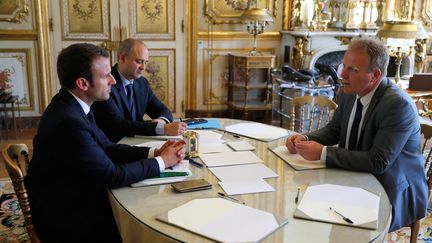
132, 97
376, 127
74, 162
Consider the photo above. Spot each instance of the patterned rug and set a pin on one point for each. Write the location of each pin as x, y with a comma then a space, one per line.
12, 223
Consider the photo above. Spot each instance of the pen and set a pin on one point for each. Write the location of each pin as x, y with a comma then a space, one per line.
228, 197
196, 163
297, 197
172, 174
343, 217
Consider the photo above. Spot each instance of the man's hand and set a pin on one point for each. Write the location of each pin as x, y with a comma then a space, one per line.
175, 128
309, 150
158, 151
292, 140
173, 153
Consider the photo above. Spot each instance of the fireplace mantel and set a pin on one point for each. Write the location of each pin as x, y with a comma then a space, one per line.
302, 49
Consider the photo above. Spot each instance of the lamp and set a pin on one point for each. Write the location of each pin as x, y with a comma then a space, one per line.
400, 37
256, 20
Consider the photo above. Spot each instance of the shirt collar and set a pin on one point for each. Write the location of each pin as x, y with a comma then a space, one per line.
124, 80
365, 100
83, 105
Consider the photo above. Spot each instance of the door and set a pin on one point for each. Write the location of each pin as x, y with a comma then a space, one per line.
106, 22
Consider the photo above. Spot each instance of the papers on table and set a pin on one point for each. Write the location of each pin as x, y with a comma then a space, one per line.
241, 145
180, 167
152, 144
242, 172
354, 203
296, 161
223, 220
160, 137
207, 148
209, 137
230, 158
258, 131
245, 186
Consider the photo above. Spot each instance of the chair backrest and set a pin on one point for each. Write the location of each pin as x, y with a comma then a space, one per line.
309, 113
16, 156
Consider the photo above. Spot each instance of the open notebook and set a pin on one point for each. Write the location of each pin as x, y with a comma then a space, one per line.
180, 167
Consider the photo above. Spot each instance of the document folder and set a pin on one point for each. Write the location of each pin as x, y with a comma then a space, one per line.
223, 220
347, 204
295, 160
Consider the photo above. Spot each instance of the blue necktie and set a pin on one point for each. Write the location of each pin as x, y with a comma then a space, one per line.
130, 102
352, 143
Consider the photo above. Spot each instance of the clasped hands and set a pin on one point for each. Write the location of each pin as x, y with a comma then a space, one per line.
172, 152
309, 150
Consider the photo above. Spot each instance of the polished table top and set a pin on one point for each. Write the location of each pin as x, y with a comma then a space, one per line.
135, 209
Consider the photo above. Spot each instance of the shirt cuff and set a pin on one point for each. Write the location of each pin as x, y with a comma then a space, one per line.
160, 128
323, 154
161, 163
167, 121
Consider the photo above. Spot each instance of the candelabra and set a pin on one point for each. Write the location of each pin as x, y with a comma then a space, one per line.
256, 20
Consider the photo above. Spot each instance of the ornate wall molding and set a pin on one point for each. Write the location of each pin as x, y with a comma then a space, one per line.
14, 11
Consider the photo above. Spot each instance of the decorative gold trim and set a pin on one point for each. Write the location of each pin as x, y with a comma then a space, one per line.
18, 35
238, 35
28, 68
46, 83
20, 13
222, 18
192, 52
426, 12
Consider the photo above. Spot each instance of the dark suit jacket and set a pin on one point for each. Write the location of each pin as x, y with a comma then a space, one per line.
72, 166
114, 117
389, 147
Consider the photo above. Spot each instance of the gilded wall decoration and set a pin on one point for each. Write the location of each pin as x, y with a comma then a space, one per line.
153, 19
161, 75
426, 12
85, 19
14, 11
16, 75
230, 11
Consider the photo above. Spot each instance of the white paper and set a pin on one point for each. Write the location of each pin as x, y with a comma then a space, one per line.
223, 220
160, 137
209, 137
241, 146
354, 203
152, 144
245, 186
180, 167
296, 160
258, 131
208, 148
242, 172
230, 158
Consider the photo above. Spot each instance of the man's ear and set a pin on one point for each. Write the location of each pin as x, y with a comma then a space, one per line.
377, 75
121, 57
82, 84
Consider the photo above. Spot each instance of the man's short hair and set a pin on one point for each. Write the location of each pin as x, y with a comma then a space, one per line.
127, 45
75, 61
375, 49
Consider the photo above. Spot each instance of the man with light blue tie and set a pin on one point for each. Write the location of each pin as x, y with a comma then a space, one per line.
377, 130
132, 97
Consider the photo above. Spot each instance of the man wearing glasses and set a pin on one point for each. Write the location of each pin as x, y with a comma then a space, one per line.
377, 130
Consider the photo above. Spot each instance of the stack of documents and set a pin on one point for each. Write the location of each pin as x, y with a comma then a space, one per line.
230, 158
337, 204
180, 167
258, 131
296, 160
223, 220
244, 179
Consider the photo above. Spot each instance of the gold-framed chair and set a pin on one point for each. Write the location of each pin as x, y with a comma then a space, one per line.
426, 131
309, 113
16, 157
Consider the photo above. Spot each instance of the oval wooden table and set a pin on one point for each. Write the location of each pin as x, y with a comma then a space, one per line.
135, 209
